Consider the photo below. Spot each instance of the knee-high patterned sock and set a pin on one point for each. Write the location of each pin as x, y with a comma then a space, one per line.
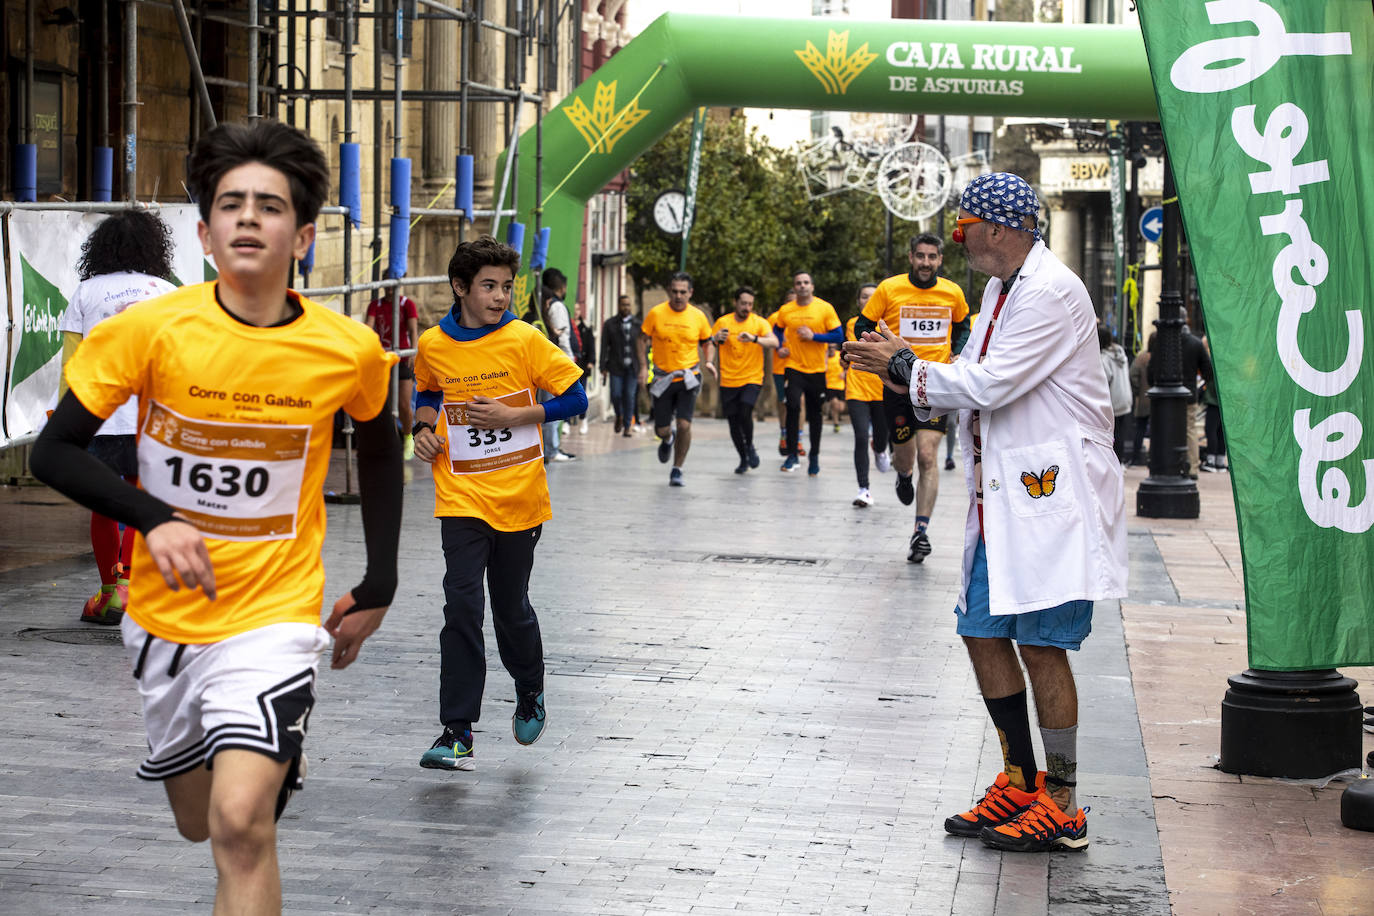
105, 543
1061, 766
1012, 722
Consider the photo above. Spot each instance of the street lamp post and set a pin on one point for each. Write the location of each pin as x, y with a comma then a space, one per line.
1168, 492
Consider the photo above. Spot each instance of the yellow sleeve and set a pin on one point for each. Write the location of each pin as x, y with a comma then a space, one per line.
647, 328
374, 378
875, 309
108, 366
550, 367
704, 329
424, 376
832, 320
961, 304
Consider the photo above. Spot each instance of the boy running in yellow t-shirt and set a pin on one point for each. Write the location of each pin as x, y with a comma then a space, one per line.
478, 421
238, 382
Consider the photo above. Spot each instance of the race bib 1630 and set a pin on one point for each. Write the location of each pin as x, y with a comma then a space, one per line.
233, 481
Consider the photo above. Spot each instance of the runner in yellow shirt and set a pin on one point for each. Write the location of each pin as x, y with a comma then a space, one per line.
864, 397
477, 376
929, 313
740, 338
238, 383
804, 328
834, 384
779, 370
681, 339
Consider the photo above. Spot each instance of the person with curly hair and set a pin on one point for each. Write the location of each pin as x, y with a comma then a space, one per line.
127, 259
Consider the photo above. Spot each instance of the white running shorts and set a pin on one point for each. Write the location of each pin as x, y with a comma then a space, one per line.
253, 691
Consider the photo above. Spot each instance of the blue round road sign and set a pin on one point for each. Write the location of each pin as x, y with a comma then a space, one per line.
1152, 224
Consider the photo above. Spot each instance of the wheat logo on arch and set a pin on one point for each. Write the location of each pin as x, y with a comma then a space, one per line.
837, 68
602, 126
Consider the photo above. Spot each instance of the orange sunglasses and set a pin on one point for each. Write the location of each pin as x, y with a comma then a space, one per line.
958, 234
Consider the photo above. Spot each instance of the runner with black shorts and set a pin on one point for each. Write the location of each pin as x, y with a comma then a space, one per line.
930, 314
681, 339
740, 338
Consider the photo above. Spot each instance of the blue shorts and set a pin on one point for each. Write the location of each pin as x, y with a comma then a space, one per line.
1065, 626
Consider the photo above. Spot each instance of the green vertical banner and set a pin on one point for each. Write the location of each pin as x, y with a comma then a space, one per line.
693, 171
1266, 112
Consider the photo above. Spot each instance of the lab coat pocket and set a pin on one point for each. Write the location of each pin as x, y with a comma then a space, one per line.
1042, 479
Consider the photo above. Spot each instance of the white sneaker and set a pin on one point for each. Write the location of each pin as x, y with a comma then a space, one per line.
563, 428
561, 455
583, 427
864, 499
883, 462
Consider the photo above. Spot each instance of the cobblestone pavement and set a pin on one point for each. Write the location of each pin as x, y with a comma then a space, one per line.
756, 706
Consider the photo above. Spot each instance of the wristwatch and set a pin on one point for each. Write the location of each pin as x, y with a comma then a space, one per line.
421, 424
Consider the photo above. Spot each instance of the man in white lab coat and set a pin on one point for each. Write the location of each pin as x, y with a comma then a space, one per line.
1045, 535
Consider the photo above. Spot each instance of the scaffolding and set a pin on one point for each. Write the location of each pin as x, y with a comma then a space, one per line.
283, 50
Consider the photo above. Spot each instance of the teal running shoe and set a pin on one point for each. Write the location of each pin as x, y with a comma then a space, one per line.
528, 722
451, 751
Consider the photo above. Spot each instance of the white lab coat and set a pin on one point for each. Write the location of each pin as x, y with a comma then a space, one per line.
1044, 403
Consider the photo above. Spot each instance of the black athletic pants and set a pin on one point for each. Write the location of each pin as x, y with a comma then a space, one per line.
737, 403
868, 420
472, 549
811, 386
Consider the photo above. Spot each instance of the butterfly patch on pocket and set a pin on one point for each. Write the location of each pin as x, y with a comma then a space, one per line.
1042, 484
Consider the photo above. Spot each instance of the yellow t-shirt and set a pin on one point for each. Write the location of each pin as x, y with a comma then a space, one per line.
924, 318
779, 362
493, 475
818, 315
858, 384
741, 363
834, 372
235, 428
676, 335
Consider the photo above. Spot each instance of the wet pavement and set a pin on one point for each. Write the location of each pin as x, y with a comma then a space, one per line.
755, 706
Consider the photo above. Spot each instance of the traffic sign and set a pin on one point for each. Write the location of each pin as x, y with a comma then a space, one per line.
1152, 224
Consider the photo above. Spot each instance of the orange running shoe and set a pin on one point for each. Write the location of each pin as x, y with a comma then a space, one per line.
1001, 803
1040, 828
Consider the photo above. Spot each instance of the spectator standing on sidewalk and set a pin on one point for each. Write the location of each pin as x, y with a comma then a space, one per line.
620, 363
481, 432
1215, 459
1118, 373
1045, 534
127, 259
379, 314
1140, 389
586, 354
681, 340
559, 329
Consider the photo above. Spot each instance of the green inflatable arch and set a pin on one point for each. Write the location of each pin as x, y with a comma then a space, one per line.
929, 66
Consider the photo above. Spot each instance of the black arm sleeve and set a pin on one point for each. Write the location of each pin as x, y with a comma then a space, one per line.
960, 336
60, 460
862, 324
379, 491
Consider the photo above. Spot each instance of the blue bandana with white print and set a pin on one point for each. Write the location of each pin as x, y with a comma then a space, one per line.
1002, 198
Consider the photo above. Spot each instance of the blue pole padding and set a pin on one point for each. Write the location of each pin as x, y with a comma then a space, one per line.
540, 257
350, 182
26, 172
400, 187
102, 173
515, 236
400, 246
462, 195
307, 263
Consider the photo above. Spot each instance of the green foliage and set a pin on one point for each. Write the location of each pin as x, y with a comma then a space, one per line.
755, 225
